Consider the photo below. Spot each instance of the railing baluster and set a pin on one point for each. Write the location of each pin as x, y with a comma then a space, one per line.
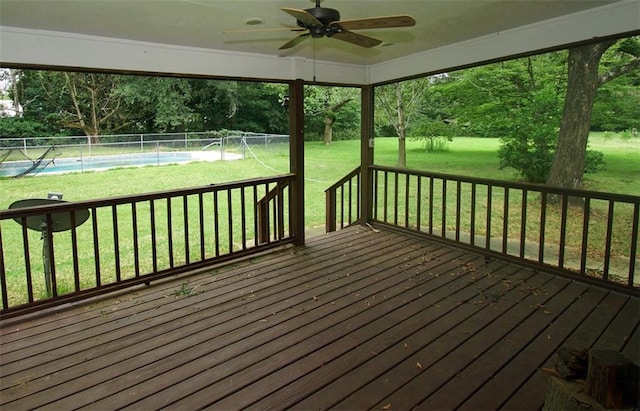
342, 206
51, 255
154, 237
563, 230
265, 226
505, 222
444, 208
430, 205
230, 219
274, 217
376, 197
170, 231
489, 213
396, 183
407, 180
74, 251
472, 222
27, 259
185, 222
585, 234
201, 223
280, 220
419, 202
358, 191
543, 225
349, 208
386, 196
523, 224
607, 248
136, 241
3, 277
216, 224
116, 242
634, 242
96, 245
255, 214
243, 218
458, 194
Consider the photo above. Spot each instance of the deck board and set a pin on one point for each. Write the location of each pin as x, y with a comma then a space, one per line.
353, 320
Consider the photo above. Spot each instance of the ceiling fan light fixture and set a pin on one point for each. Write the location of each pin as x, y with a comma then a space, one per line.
253, 21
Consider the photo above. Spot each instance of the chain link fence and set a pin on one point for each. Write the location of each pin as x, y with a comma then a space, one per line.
31, 155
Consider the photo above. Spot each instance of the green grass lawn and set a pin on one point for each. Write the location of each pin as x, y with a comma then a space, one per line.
324, 165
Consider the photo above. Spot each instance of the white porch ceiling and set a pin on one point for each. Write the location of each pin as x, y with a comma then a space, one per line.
77, 29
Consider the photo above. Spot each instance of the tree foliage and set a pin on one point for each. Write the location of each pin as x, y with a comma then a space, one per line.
68, 103
331, 113
400, 104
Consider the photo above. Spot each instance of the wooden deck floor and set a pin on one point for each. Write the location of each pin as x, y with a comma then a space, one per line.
355, 320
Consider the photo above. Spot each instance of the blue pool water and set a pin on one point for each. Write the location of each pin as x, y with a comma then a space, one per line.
95, 163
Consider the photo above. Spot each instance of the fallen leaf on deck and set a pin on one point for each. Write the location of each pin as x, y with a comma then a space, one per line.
418, 365
387, 407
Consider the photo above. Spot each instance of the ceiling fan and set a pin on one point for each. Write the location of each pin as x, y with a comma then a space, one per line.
321, 21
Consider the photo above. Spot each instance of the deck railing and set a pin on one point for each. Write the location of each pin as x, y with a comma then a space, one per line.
135, 239
347, 191
575, 231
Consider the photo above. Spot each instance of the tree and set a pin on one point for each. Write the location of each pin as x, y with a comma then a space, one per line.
151, 104
401, 103
99, 104
584, 79
331, 110
436, 125
10, 78
91, 103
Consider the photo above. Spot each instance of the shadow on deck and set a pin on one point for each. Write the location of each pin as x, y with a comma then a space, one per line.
356, 319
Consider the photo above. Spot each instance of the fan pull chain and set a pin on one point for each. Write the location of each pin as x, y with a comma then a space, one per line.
313, 43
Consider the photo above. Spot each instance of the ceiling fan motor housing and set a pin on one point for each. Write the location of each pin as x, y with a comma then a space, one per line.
325, 16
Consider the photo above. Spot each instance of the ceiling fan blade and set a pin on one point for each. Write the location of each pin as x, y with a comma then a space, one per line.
376, 23
357, 39
295, 41
266, 29
302, 16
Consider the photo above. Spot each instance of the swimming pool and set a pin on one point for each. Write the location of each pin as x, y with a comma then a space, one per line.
96, 163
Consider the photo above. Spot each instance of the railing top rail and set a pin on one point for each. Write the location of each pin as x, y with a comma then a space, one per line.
344, 179
628, 198
127, 199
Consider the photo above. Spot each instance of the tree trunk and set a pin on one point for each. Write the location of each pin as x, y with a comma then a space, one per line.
402, 148
567, 168
13, 78
328, 130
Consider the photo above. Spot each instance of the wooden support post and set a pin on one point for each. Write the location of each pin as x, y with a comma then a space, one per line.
613, 379
366, 153
330, 211
296, 159
263, 222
